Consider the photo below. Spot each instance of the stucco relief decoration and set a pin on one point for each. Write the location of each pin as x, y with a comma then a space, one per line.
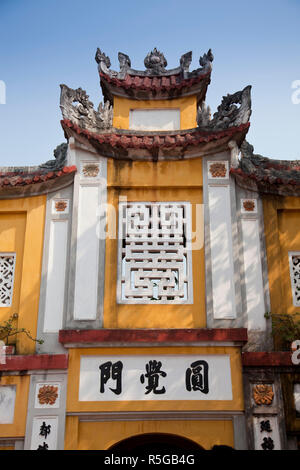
60, 206
77, 108
7, 268
295, 277
249, 205
90, 170
263, 394
228, 113
218, 170
155, 62
48, 395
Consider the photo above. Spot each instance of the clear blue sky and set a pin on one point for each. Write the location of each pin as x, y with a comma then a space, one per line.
47, 42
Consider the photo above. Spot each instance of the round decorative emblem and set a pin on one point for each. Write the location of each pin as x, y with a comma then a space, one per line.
90, 170
60, 206
48, 395
263, 394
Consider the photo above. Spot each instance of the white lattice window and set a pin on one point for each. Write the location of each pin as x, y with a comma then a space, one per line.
294, 259
155, 263
7, 271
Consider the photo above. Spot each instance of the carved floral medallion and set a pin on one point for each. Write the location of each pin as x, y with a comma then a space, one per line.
263, 394
218, 170
48, 395
60, 206
249, 205
90, 170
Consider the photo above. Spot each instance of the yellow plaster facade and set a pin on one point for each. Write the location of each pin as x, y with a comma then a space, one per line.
103, 435
155, 182
22, 232
282, 223
187, 107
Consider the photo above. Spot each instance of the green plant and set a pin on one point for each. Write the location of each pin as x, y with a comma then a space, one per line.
285, 329
8, 329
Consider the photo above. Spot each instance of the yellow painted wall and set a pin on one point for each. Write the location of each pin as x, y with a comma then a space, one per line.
74, 405
102, 435
282, 231
22, 231
17, 428
155, 181
187, 106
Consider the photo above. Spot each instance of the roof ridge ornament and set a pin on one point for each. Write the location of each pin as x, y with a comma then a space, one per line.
228, 114
102, 57
155, 62
124, 61
60, 158
77, 108
206, 59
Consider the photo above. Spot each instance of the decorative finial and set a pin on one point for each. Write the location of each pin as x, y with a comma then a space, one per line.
101, 57
155, 61
206, 59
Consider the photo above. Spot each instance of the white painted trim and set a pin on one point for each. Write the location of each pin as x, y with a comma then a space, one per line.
253, 275
87, 255
56, 273
224, 305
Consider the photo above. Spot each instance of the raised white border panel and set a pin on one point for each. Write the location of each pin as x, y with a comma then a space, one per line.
172, 378
56, 273
87, 255
224, 306
261, 436
51, 439
154, 119
253, 274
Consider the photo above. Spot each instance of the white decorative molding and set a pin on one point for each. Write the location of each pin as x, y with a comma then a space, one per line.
224, 305
249, 206
294, 261
155, 262
56, 273
90, 170
7, 403
7, 274
218, 170
253, 275
266, 433
162, 377
47, 395
60, 206
44, 433
87, 254
154, 119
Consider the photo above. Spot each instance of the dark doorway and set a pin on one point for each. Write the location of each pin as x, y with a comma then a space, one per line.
156, 442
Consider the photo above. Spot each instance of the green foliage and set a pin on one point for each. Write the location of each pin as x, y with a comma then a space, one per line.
285, 329
8, 329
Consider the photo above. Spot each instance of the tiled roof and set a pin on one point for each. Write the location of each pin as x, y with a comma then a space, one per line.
149, 140
25, 178
160, 83
266, 175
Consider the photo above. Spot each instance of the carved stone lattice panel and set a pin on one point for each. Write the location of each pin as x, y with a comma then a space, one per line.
7, 271
294, 260
154, 253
